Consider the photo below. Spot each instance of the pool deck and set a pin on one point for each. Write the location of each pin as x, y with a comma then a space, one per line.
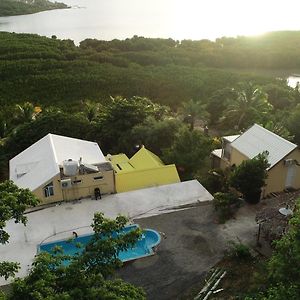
58, 221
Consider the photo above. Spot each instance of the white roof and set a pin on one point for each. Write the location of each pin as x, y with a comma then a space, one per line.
231, 138
217, 152
39, 163
258, 139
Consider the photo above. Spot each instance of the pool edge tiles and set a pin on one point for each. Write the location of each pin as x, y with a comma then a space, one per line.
143, 247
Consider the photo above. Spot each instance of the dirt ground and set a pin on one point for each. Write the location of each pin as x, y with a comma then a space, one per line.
193, 244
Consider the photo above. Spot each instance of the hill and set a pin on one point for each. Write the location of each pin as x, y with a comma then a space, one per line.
23, 7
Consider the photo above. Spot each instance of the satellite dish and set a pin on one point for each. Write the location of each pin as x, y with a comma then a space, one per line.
285, 211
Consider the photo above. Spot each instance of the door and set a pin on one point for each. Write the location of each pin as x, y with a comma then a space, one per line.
290, 176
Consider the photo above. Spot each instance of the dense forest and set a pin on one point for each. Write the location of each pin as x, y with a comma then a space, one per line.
56, 71
140, 90
23, 7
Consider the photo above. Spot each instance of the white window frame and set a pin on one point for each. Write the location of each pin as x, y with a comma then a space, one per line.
48, 190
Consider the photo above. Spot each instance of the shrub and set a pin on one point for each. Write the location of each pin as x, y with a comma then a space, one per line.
239, 251
215, 180
249, 177
225, 205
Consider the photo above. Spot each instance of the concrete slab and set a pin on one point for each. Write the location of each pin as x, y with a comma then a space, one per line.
59, 221
193, 243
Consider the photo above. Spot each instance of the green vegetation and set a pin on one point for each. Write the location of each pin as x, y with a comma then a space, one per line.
249, 177
23, 7
282, 270
239, 251
56, 72
225, 205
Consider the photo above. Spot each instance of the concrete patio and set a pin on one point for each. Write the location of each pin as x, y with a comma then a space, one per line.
193, 243
59, 221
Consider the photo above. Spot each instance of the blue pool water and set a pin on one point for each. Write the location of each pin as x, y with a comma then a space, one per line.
144, 246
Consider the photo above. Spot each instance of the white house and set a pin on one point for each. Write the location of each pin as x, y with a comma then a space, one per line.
59, 168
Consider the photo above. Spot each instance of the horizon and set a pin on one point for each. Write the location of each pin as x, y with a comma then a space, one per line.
191, 20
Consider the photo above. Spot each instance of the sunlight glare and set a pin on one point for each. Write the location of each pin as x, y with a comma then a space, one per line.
194, 19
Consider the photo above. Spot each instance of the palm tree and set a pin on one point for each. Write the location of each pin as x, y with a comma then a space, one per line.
91, 110
193, 110
250, 105
279, 129
26, 112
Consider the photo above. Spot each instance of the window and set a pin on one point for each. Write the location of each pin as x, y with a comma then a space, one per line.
98, 178
49, 190
76, 181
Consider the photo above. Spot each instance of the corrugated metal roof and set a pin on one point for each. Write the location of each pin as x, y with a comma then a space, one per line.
40, 162
258, 139
231, 138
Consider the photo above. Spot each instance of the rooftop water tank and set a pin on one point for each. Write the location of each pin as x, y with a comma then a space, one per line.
70, 167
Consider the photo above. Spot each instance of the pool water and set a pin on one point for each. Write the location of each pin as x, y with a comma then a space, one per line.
144, 246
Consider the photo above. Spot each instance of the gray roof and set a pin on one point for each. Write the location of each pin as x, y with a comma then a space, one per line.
258, 139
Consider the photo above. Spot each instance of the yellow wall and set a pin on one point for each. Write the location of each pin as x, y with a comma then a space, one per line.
277, 175
80, 190
237, 157
39, 192
146, 178
224, 163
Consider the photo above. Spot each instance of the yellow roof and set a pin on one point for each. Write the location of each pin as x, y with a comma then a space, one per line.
120, 163
145, 159
142, 160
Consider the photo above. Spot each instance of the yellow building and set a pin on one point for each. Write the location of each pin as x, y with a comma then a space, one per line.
283, 157
142, 170
57, 168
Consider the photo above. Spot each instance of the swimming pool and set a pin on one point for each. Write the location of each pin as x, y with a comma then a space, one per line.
144, 246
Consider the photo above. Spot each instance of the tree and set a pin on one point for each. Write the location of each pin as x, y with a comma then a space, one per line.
250, 105
91, 110
280, 96
191, 110
282, 272
218, 103
119, 116
188, 152
26, 112
154, 135
86, 276
293, 124
249, 177
13, 202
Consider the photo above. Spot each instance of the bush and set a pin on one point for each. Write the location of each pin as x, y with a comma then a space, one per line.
215, 180
249, 177
239, 251
225, 205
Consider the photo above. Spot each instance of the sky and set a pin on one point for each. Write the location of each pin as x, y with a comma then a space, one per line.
177, 19
214, 18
